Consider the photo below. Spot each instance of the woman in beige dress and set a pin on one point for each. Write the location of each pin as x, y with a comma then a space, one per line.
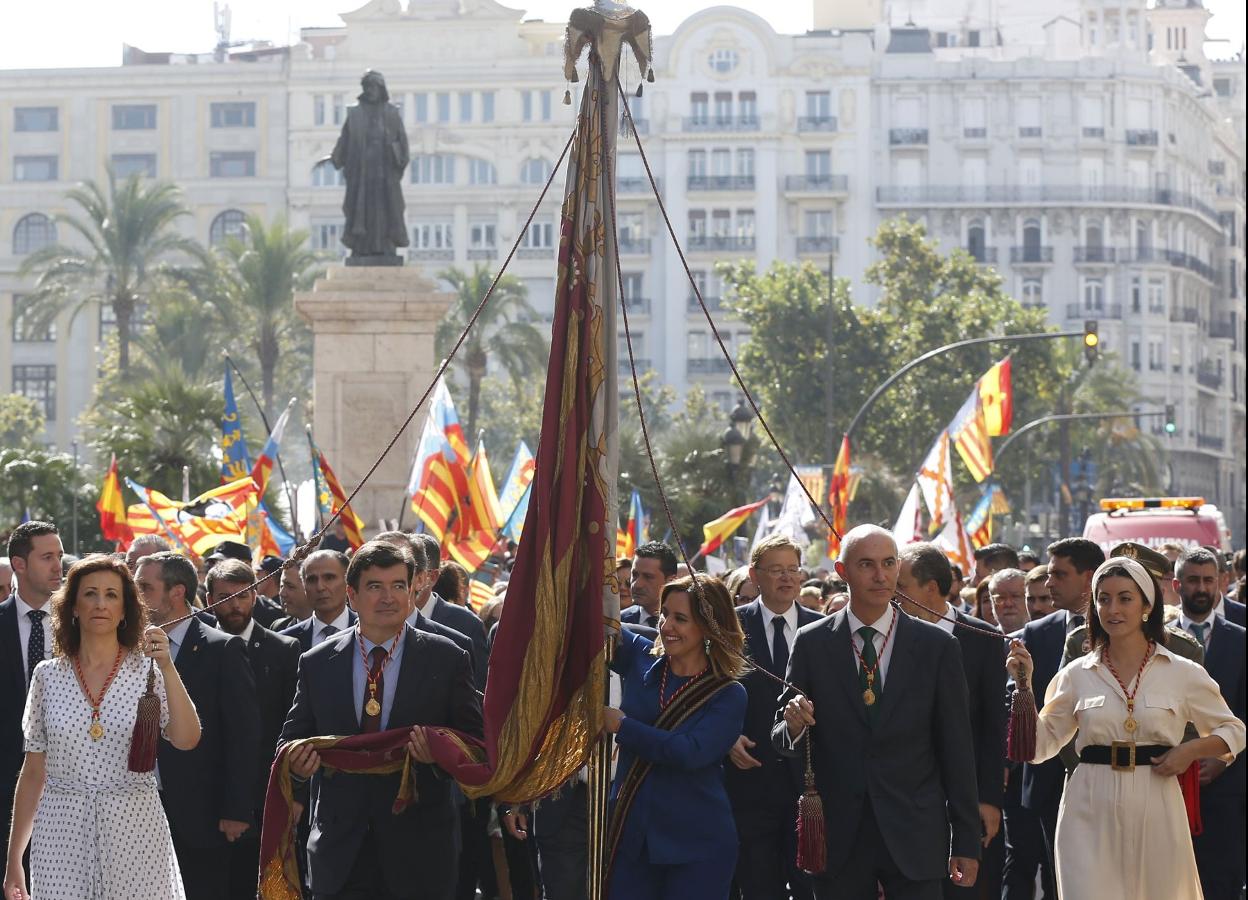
1122, 831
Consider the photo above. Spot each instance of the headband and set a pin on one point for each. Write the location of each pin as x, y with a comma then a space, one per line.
1137, 572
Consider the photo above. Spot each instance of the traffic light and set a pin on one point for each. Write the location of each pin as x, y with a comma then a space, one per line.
1091, 340
1170, 425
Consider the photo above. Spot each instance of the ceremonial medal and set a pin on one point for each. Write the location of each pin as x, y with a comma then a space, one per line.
868, 697
372, 707
96, 730
1130, 725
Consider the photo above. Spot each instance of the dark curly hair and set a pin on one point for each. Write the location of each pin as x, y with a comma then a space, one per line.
66, 638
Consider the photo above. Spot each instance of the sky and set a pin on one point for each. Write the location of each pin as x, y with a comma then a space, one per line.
70, 33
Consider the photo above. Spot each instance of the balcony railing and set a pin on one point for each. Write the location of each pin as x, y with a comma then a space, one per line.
1222, 328
643, 365
634, 246
535, 253
720, 242
421, 254
985, 256
477, 253
1051, 193
1094, 132
638, 185
975, 134
902, 137
832, 184
1107, 311
643, 127
711, 365
721, 123
818, 245
1192, 264
1184, 314
1210, 441
637, 304
1031, 131
1209, 375
1031, 254
1141, 137
720, 182
1094, 254
816, 123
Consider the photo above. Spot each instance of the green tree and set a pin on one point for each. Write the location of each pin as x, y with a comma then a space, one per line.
128, 231
504, 333
252, 282
21, 422
45, 483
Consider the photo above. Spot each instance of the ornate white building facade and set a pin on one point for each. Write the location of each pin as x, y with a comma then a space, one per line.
1091, 154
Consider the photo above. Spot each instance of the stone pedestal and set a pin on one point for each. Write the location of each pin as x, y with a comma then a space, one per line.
372, 359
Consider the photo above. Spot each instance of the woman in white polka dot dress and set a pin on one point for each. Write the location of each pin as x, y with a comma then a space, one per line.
96, 830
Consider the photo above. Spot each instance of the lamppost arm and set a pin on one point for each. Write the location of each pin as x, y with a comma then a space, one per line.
1067, 417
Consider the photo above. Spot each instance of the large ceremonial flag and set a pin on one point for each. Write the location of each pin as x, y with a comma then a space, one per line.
838, 497
996, 393
199, 525
935, 481
969, 433
112, 509
716, 532
334, 498
438, 484
476, 530
235, 462
513, 500
543, 708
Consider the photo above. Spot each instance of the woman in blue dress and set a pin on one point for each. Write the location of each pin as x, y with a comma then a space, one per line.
672, 835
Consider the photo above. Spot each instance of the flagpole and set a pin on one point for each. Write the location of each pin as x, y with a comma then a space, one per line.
264, 420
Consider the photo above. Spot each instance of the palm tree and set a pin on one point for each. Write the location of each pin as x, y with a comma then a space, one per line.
253, 281
129, 234
504, 332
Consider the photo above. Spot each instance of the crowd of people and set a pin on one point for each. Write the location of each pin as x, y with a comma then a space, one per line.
883, 684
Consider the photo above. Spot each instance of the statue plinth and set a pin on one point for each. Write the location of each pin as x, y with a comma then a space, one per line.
372, 359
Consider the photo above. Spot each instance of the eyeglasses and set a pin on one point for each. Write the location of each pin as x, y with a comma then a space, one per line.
777, 571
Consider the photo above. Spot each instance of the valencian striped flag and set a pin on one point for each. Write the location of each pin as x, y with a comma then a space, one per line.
198, 526
438, 484
638, 522
112, 509
235, 462
624, 546
334, 498
715, 533
476, 530
479, 594
969, 433
513, 500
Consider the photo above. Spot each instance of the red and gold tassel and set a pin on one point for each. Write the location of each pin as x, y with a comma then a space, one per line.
146, 727
1020, 739
812, 833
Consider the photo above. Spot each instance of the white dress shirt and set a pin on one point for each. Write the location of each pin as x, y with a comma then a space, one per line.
883, 652
23, 630
245, 634
946, 624
789, 617
342, 623
1186, 624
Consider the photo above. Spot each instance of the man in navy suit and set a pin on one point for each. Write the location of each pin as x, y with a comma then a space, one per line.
654, 565
25, 640
209, 793
359, 848
1220, 847
459, 618
324, 575
893, 753
1072, 562
925, 575
761, 784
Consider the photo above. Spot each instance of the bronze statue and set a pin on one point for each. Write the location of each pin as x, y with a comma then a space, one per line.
372, 154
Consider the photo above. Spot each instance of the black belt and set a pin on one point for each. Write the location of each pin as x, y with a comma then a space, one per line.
1122, 755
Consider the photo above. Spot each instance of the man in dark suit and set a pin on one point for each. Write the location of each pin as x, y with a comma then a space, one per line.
1072, 562
761, 784
460, 618
265, 610
209, 793
25, 641
894, 760
324, 576
274, 662
359, 848
654, 565
925, 575
1220, 847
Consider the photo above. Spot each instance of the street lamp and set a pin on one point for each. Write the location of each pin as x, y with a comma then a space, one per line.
742, 418
733, 443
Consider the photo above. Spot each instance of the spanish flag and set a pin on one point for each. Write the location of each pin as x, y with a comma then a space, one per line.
112, 509
996, 393
838, 497
715, 533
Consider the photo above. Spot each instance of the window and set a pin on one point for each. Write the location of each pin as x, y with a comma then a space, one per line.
723, 108
747, 106
35, 168
339, 108
32, 232
723, 60
632, 227
699, 108
818, 163
975, 241
433, 168
1033, 292
721, 162
1156, 295
1031, 240
232, 164
1156, 356
697, 223
134, 117
233, 115
1135, 355
444, 106
465, 106
819, 105
697, 163
696, 346
231, 223
975, 117
325, 236
318, 109
141, 164
24, 330
745, 223
1093, 236
325, 175
536, 105
631, 286
433, 236
539, 235
745, 162
37, 383
721, 223
1143, 239
422, 107
1094, 295
1029, 117
487, 106
35, 118
1137, 294
818, 223
1222, 87
481, 171
547, 103
482, 236
534, 171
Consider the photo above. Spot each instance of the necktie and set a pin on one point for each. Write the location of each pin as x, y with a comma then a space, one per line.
34, 648
1200, 629
652, 621
327, 632
377, 661
1074, 622
779, 648
867, 633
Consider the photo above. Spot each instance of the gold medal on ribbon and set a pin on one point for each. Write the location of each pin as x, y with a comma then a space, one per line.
868, 697
96, 730
1130, 725
372, 707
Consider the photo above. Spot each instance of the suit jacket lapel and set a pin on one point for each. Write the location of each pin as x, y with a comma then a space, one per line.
897, 682
341, 666
408, 692
1214, 654
187, 660
760, 649
11, 645
844, 663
